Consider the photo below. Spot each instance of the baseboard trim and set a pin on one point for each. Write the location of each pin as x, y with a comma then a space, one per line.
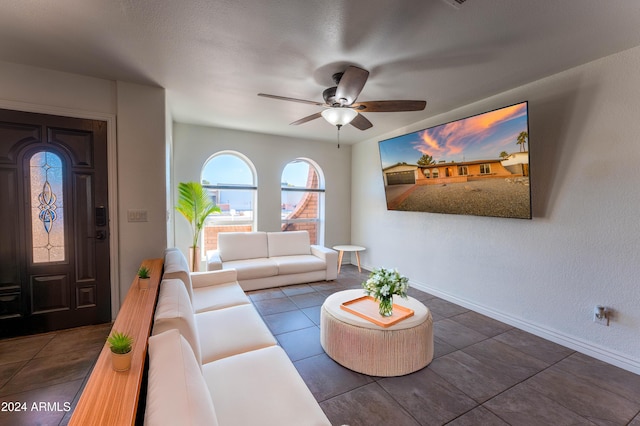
588, 348
571, 342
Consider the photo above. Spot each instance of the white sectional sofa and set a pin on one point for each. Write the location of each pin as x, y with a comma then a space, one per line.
273, 259
207, 291
213, 361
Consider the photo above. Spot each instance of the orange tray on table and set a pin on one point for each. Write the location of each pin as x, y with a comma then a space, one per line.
367, 307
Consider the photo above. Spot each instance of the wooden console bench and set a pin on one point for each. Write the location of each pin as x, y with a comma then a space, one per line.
111, 398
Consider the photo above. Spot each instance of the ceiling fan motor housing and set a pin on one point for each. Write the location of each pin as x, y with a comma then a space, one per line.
329, 96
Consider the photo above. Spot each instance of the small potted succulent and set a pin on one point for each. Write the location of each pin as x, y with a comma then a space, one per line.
121, 345
143, 278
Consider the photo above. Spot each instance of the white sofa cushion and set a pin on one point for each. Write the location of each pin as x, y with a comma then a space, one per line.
174, 311
216, 290
288, 243
261, 387
176, 267
242, 245
177, 393
298, 264
230, 331
218, 297
253, 268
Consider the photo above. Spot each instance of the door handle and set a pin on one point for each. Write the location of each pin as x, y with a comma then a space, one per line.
101, 235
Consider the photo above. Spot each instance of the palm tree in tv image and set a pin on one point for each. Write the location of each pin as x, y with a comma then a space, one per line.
522, 139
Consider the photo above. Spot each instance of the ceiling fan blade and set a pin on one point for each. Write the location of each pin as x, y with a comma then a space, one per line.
351, 85
307, 118
283, 98
361, 122
390, 106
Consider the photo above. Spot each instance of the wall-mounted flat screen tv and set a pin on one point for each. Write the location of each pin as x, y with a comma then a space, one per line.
477, 165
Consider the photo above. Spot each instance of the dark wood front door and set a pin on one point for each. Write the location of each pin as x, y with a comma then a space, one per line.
54, 229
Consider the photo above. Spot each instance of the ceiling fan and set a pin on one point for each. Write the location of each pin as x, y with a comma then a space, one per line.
340, 101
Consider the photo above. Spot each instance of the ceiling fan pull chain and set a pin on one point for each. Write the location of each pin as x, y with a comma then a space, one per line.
338, 126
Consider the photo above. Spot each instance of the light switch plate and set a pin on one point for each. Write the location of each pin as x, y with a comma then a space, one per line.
136, 215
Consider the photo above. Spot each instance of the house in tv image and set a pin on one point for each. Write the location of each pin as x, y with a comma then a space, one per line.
494, 187
400, 174
513, 165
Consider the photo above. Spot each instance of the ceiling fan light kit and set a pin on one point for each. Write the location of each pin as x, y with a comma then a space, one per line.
341, 105
339, 116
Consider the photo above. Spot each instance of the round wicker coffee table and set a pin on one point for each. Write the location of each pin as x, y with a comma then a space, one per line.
362, 346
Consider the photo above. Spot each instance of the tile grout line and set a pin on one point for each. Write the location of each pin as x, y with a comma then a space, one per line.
26, 361
482, 404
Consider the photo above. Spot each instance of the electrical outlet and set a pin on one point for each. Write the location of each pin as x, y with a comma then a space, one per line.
601, 315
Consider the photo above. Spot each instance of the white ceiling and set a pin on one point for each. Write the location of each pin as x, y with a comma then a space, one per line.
214, 56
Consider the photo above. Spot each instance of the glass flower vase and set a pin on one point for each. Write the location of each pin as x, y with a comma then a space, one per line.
386, 306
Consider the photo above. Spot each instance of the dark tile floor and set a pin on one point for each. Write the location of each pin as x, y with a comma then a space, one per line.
44, 374
484, 372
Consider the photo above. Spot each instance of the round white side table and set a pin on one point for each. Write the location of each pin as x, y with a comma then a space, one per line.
349, 248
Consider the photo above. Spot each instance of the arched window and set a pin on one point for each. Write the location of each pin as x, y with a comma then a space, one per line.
435, 173
231, 179
302, 187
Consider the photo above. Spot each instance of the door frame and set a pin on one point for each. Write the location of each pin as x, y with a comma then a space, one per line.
114, 265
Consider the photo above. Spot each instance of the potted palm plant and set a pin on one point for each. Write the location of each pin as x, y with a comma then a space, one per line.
195, 204
120, 345
143, 278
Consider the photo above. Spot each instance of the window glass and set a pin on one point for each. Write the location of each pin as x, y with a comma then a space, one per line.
302, 198
230, 179
47, 208
225, 169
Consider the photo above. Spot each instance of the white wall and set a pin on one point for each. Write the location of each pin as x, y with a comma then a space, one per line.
141, 176
54, 89
582, 246
193, 145
136, 151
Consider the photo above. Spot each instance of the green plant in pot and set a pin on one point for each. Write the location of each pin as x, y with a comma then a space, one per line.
121, 345
195, 204
143, 277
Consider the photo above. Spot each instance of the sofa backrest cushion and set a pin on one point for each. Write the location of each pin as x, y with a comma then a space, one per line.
174, 311
177, 393
176, 267
288, 243
242, 245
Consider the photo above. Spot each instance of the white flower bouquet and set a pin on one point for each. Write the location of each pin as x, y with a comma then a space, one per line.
382, 284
